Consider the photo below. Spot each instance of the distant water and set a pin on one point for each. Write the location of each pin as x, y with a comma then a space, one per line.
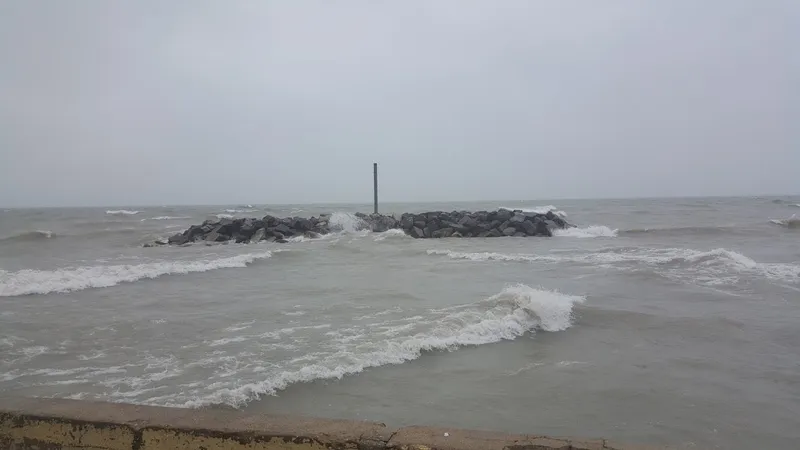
655, 321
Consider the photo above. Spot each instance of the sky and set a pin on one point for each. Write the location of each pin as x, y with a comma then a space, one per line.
151, 102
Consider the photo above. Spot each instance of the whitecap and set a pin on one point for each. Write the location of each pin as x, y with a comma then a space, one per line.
121, 212
587, 232
30, 281
515, 311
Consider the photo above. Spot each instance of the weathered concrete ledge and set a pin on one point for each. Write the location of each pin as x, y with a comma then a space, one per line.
71, 424
435, 224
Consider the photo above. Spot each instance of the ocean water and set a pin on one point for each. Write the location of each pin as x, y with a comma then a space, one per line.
665, 321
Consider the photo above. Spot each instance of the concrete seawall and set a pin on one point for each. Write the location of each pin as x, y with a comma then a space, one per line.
49, 424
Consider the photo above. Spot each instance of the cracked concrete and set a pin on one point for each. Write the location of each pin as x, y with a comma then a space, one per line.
50, 424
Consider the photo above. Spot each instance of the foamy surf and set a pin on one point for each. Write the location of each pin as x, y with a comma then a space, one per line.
515, 311
121, 212
28, 281
791, 222
167, 218
391, 234
713, 267
587, 232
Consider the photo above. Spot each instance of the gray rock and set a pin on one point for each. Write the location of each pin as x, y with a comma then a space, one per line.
504, 214
517, 218
529, 227
426, 232
542, 229
494, 233
456, 235
258, 235
509, 231
216, 236
312, 235
416, 232
468, 222
302, 224
420, 224
178, 239
519, 234
283, 229
443, 233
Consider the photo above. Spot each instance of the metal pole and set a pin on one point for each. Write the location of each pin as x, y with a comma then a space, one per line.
375, 169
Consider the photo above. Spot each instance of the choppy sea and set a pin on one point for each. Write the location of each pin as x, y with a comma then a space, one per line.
666, 321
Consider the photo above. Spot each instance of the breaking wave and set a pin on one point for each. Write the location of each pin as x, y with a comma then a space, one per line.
395, 233
167, 218
792, 222
718, 266
224, 216
29, 236
587, 232
515, 311
28, 281
121, 212
345, 222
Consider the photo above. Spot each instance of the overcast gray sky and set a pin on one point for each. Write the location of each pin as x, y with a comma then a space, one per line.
211, 102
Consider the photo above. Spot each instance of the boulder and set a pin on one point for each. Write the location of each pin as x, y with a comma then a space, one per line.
258, 236
216, 236
509, 231
542, 229
443, 233
456, 235
529, 227
494, 233
283, 229
416, 232
302, 224
420, 224
519, 234
178, 239
503, 215
312, 235
517, 218
270, 221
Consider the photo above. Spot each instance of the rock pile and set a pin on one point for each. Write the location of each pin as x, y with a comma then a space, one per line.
435, 224
481, 224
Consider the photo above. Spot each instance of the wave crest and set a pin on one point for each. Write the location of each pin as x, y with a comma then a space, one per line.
121, 212
35, 235
29, 281
516, 310
587, 232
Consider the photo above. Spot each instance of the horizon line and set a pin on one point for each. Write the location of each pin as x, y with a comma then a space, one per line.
369, 203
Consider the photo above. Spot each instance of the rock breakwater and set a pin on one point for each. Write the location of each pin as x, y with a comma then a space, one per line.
435, 224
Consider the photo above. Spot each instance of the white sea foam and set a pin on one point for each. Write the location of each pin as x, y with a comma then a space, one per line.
224, 216
27, 281
587, 232
714, 267
513, 312
345, 222
394, 233
537, 209
791, 222
121, 212
167, 218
